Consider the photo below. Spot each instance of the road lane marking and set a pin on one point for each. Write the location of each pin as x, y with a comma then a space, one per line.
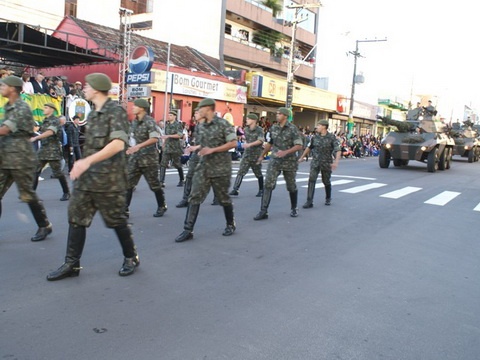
361, 188
336, 182
401, 192
442, 198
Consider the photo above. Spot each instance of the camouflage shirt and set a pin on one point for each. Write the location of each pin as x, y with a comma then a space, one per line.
103, 126
251, 136
172, 146
284, 138
16, 150
213, 134
141, 131
323, 149
50, 148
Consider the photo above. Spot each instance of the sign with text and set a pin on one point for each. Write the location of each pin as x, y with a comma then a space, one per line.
199, 87
139, 91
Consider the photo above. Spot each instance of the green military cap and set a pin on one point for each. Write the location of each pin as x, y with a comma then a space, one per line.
252, 116
142, 103
13, 81
206, 102
323, 122
99, 81
173, 112
284, 111
51, 105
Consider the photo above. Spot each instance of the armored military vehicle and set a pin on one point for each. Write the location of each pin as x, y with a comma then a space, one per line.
466, 140
419, 138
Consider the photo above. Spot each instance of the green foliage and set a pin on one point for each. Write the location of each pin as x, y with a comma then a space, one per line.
268, 38
274, 5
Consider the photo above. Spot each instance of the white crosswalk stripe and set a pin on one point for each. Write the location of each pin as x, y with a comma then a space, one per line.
361, 188
477, 208
397, 194
442, 198
336, 182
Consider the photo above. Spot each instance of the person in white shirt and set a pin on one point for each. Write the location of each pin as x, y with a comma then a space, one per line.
27, 85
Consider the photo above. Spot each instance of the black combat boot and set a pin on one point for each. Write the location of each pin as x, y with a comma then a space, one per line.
236, 186
266, 197
260, 187
131, 260
180, 174
35, 180
186, 192
230, 219
215, 200
40, 216
66, 191
162, 175
328, 194
161, 205
128, 200
190, 219
310, 194
293, 202
71, 266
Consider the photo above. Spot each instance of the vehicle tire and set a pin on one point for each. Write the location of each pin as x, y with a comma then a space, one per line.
432, 160
471, 155
442, 160
448, 159
384, 158
397, 162
404, 162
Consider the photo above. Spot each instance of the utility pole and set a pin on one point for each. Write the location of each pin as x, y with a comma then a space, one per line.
125, 40
356, 55
290, 71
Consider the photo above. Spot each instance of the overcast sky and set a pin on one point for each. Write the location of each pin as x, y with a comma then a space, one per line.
430, 50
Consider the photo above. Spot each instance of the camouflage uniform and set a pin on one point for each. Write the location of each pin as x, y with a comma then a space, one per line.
323, 149
172, 151
50, 152
145, 161
192, 165
214, 170
281, 138
250, 158
18, 161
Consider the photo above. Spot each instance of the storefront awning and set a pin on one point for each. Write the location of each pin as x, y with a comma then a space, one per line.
24, 45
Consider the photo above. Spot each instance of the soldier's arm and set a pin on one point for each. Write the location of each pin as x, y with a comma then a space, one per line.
304, 155
266, 149
80, 166
45, 134
4, 130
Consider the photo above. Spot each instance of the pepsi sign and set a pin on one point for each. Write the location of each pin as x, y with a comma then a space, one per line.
140, 63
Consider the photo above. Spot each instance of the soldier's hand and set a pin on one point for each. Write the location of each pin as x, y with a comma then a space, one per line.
205, 151
259, 160
334, 166
132, 150
301, 160
281, 153
79, 167
33, 139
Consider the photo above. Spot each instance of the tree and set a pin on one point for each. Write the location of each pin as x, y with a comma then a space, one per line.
274, 5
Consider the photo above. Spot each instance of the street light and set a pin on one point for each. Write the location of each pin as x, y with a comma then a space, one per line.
290, 71
356, 54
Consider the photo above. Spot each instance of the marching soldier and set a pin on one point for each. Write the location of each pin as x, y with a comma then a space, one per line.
172, 149
253, 149
51, 151
101, 181
192, 162
285, 141
215, 136
17, 157
143, 155
324, 146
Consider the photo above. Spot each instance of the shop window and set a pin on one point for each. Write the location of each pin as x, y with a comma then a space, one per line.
228, 29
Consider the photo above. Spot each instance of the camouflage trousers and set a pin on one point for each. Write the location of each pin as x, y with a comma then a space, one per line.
55, 165
174, 158
150, 173
23, 178
275, 167
246, 163
84, 205
201, 187
315, 169
192, 164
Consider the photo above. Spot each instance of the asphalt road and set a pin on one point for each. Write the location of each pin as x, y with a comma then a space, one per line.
389, 271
